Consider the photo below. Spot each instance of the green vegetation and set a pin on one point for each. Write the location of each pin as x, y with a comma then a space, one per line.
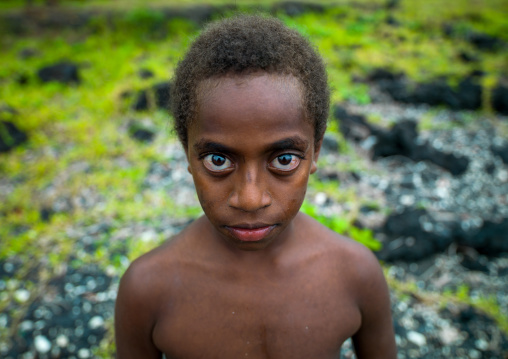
344, 226
79, 144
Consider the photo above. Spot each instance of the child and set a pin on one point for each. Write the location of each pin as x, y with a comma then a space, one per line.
253, 277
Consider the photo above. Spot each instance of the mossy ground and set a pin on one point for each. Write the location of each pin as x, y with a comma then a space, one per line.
85, 126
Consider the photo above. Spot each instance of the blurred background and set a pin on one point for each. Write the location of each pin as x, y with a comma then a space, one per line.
414, 162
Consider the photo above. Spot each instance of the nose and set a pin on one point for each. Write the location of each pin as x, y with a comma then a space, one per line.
250, 193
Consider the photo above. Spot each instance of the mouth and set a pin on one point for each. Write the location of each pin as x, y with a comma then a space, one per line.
250, 232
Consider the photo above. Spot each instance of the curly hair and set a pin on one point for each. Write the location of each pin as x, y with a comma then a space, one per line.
246, 44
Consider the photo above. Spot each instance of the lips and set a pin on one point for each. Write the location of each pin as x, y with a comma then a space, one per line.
250, 233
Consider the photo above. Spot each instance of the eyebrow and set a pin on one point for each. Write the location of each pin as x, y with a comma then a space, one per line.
294, 143
289, 143
210, 146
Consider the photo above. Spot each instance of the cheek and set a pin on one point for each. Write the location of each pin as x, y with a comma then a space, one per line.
293, 193
211, 195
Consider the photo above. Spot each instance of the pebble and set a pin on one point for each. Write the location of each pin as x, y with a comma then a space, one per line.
22, 295
3, 320
26, 325
416, 338
8, 267
320, 198
42, 344
62, 341
449, 335
481, 344
83, 353
96, 322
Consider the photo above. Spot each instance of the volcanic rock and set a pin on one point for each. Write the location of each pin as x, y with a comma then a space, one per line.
10, 136
65, 72
161, 96
140, 132
141, 102
500, 99
414, 234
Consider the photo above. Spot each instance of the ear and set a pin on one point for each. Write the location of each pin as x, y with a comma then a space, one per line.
317, 149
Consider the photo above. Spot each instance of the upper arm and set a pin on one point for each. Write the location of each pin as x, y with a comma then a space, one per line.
375, 338
135, 311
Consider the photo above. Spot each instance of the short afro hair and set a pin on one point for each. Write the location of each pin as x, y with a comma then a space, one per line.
246, 44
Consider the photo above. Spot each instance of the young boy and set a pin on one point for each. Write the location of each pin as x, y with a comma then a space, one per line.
253, 277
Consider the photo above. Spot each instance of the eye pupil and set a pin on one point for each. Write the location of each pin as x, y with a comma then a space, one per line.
285, 159
218, 160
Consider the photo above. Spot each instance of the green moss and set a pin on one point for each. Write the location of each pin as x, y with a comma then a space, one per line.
78, 137
344, 226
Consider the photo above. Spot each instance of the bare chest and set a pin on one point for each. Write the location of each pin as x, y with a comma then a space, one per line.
304, 318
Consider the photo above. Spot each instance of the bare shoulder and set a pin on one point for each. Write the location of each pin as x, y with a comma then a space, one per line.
360, 271
338, 246
143, 288
147, 276
353, 260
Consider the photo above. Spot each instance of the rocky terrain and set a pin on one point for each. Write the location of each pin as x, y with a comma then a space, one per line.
70, 316
423, 164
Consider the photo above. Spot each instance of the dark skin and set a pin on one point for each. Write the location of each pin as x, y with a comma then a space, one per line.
254, 277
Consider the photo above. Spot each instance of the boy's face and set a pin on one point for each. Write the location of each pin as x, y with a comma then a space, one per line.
250, 151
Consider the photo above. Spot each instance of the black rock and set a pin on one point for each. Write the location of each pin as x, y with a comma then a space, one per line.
140, 132
143, 135
501, 151
454, 164
500, 99
326, 176
141, 102
400, 140
392, 4
448, 29
408, 240
10, 136
145, 73
330, 143
502, 272
64, 72
399, 89
295, 8
473, 264
22, 79
390, 20
46, 213
490, 239
27, 53
162, 95
199, 14
406, 223
467, 95
353, 127
490, 167
467, 57
381, 74
484, 41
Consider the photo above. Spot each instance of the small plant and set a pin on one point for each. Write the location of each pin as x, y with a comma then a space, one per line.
344, 226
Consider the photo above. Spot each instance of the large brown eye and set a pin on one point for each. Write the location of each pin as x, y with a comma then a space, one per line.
286, 162
217, 163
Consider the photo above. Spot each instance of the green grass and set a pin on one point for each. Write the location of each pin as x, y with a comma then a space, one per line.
78, 136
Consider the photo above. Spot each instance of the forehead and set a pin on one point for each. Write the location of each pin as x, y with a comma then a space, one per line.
257, 98
259, 84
